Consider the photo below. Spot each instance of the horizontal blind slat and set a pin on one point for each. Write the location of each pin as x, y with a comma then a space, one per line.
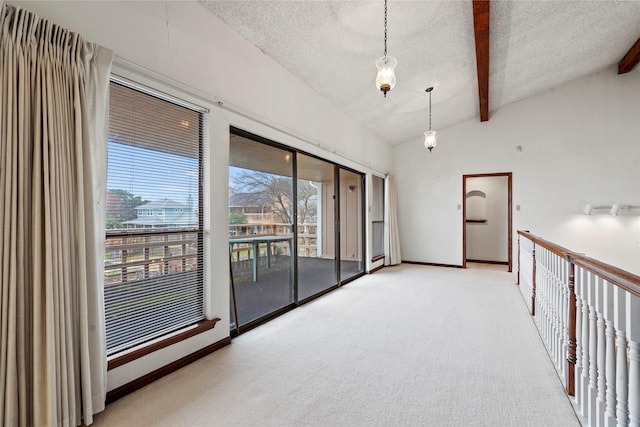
153, 281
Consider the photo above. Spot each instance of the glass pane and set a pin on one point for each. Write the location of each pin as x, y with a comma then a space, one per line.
316, 241
377, 217
153, 271
351, 250
260, 227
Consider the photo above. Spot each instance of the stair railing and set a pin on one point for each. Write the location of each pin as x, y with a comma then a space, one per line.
588, 315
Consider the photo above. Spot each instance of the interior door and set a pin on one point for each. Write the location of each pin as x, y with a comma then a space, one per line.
487, 218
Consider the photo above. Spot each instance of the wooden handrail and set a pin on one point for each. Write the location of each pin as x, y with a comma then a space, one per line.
556, 249
628, 281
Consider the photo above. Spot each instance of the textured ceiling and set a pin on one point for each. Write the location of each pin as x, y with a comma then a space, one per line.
332, 47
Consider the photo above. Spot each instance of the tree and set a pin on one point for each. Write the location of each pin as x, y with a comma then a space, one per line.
267, 191
121, 206
237, 218
114, 224
307, 201
274, 193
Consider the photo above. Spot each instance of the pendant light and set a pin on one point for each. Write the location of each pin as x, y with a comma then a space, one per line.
430, 135
386, 78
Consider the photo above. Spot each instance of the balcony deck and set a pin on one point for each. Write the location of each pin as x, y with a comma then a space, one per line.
408, 345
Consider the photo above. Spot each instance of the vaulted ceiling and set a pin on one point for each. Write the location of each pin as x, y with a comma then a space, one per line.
533, 46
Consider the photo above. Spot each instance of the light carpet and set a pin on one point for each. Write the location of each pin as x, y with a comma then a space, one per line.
407, 346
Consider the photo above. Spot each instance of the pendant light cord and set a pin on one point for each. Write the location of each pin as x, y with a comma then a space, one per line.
385, 29
429, 110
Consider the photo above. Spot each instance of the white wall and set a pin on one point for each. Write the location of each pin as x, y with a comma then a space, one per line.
181, 44
580, 143
488, 241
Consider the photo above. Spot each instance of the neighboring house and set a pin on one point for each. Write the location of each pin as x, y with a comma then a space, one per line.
259, 207
249, 203
260, 216
164, 213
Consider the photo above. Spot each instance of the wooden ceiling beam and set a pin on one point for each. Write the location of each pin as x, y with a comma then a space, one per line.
481, 31
630, 60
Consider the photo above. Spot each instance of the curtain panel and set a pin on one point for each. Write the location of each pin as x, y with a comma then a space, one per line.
391, 233
53, 102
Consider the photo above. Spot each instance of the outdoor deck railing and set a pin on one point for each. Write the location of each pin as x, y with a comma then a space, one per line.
152, 284
588, 315
143, 253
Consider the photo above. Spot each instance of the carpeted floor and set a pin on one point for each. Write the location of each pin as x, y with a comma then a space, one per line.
407, 346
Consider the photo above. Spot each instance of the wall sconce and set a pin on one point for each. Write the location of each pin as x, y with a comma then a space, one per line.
589, 208
616, 209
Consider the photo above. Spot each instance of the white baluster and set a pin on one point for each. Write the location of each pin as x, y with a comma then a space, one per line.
620, 324
566, 304
593, 355
610, 370
601, 384
541, 300
634, 384
601, 362
553, 324
585, 342
540, 294
564, 323
533, 307
578, 371
633, 331
553, 318
559, 309
551, 328
622, 408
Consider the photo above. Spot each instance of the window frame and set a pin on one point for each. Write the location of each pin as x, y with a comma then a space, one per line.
374, 257
182, 98
249, 134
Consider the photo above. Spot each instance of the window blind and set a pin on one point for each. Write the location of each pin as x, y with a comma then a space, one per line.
153, 283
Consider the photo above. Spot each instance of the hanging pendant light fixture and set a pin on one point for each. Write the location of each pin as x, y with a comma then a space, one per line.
386, 78
430, 135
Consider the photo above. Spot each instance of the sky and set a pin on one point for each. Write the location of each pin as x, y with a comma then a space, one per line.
155, 175
151, 174
234, 172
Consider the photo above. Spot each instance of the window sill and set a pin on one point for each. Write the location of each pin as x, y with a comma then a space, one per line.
147, 348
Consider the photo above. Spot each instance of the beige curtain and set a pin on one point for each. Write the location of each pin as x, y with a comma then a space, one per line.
53, 100
391, 235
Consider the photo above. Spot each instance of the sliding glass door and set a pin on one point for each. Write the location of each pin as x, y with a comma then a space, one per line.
316, 226
260, 228
295, 227
351, 231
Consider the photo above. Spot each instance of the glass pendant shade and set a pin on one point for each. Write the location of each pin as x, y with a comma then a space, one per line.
386, 78
430, 139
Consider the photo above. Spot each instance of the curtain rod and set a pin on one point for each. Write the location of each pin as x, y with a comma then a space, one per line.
126, 64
